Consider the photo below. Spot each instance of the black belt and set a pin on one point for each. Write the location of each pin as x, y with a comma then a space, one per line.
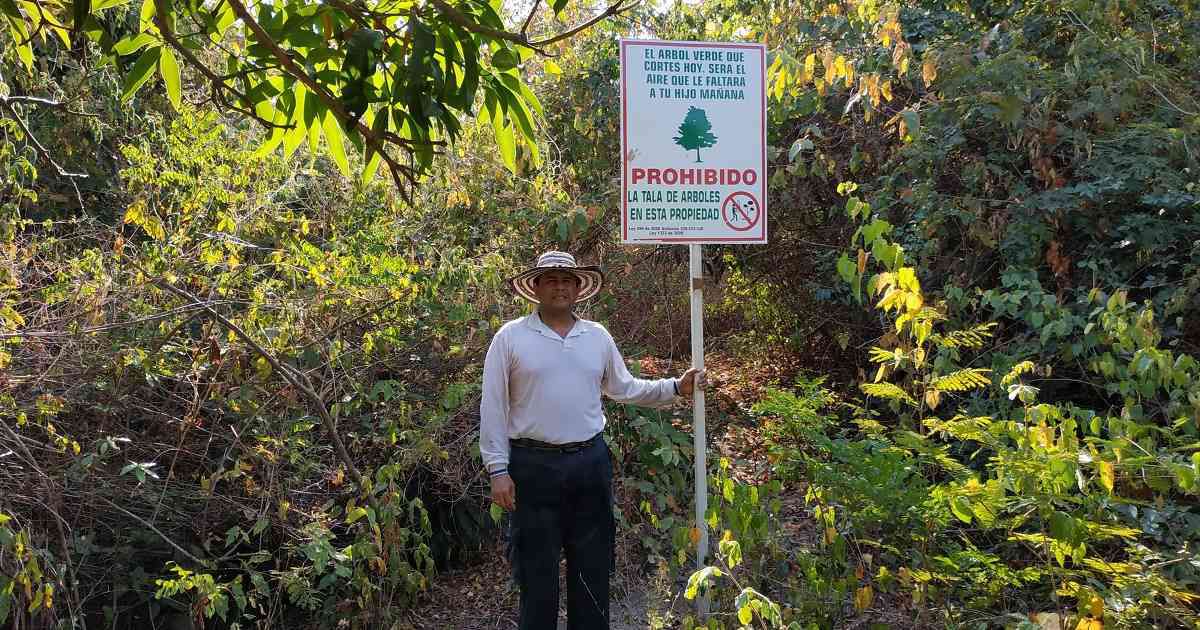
569, 447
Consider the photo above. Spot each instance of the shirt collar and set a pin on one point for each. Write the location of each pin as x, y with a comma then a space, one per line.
534, 321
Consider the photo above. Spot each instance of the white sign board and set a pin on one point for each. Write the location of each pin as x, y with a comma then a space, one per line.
693, 142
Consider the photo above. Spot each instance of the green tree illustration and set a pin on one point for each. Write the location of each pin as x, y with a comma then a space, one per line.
695, 132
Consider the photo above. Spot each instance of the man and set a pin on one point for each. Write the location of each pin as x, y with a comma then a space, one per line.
540, 429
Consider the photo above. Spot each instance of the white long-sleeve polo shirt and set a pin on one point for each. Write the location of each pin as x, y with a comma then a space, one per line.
541, 386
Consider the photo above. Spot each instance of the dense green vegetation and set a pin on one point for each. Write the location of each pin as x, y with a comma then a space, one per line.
239, 375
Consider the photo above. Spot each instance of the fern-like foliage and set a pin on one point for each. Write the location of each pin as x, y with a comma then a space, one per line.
1016, 372
881, 355
888, 391
972, 338
962, 380
963, 428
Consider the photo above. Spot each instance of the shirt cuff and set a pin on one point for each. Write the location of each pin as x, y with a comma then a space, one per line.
493, 467
675, 385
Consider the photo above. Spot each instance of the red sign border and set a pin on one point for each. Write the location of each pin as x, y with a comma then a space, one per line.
625, 43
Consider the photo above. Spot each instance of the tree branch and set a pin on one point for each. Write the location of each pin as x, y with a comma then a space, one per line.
615, 8
332, 103
458, 18
154, 529
532, 12
218, 84
6, 103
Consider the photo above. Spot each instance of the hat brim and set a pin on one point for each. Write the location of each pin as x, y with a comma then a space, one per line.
591, 280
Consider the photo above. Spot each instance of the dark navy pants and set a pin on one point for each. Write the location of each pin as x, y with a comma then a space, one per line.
564, 505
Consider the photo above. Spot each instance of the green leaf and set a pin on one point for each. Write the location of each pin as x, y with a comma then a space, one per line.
912, 123
530, 99
504, 59
146, 15
333, 137
505, 140
141, 72
732, 550
520, 113
169, 69
272, 141
314, 113
378, 124
551, 67
802, 144
846, 269
496, 513
355, 514
874, 230
132, 44
19, 33
888, 391
559, 5
745, 615
961, 507
698, 579
100, 5
295, 136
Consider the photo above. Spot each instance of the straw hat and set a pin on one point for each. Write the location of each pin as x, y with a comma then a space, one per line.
591, 279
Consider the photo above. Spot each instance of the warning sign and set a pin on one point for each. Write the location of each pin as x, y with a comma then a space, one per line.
693, 142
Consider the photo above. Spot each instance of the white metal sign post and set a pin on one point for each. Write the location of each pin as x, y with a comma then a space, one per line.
694, 171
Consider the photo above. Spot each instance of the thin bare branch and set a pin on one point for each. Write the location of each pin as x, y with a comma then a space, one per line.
152, 528
532, 12
458, 18
613, 9
42, 151
293, 376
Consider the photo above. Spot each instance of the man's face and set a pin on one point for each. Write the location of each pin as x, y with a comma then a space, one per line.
556, 289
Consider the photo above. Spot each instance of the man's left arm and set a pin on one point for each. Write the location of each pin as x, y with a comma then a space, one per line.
621, 386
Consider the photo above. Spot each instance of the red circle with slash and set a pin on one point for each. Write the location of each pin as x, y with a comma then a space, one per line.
741, 211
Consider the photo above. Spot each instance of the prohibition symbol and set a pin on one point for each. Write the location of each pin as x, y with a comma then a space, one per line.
741, 211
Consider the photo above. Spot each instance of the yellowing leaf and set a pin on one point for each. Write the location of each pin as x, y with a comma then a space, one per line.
1090, 623
863, 598
839, 68
551, 67
1107, 474
355, 514
929, 70
886, 89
